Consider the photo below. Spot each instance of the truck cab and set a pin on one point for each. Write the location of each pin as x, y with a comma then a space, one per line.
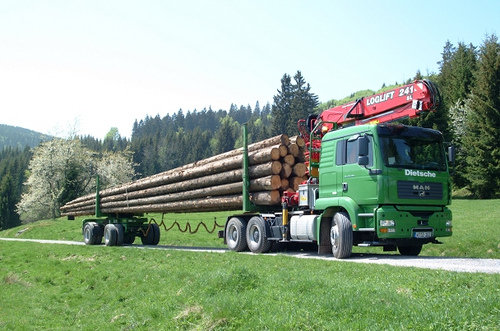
382, 185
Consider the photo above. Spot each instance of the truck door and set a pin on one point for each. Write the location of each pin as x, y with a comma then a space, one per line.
330, 171
357, 183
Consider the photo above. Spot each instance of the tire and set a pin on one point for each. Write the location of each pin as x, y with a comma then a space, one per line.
119, 234
256, 235
110, 235
100, 231
341, 235
236, 234
153, 235
410, 250
128, 238
92, 233
156, 239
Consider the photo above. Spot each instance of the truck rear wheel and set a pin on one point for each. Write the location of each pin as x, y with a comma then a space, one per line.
341, 235
256, 236
410, 250
236, 234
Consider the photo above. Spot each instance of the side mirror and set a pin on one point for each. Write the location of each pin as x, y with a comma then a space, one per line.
363, 151
363, 160
451, 154
363, 146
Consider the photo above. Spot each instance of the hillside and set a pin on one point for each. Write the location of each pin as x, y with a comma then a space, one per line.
15, 136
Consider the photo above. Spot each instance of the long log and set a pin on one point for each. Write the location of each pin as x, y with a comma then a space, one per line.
294, 150
276, 141
284, 184
256, 172
283, 150
261, 184
182, 175
218, 203
272, 142
298, 140
289, 159
299, 169
286, 170
267, 198
295, 182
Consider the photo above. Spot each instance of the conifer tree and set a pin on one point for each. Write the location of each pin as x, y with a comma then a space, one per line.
281, 106
483, 123
293, 102
303, 103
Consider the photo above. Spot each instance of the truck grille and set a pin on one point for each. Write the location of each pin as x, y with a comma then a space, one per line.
417, 190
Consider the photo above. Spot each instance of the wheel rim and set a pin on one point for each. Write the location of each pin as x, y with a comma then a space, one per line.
106, 235
254, 234
86, 234
233, 234
334, 236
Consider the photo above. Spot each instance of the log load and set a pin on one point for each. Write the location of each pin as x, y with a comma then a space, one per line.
212, 184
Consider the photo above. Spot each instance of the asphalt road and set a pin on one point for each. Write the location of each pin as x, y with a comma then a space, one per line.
490, 266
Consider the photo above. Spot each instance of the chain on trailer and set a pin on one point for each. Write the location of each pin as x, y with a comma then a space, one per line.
186, 228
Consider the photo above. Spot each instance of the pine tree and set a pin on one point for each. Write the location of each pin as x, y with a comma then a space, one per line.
293, 102
437, 120
483, 124
281, 106
302, 105
8, 199
446, 72
463, 65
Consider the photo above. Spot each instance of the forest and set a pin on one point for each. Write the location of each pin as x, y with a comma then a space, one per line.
468, 117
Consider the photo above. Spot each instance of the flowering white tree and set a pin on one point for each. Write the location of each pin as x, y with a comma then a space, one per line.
61, 170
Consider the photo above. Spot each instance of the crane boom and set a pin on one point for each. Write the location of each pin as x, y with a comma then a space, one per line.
407, 101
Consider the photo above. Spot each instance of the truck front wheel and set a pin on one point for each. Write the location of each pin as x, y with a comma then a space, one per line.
410, 250
341, 235
236, 234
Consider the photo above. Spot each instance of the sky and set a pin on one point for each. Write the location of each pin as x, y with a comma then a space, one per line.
83, 67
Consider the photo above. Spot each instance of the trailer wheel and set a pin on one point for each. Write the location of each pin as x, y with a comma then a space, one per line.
128, 238
410, 250
120, 233
341, 235
153, 235
92, 233
256, 235
110, 235
236, 234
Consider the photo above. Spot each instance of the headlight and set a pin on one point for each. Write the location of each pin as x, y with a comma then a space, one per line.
449, 224
387, 223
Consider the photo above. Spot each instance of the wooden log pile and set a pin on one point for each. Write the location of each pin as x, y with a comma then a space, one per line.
212, 184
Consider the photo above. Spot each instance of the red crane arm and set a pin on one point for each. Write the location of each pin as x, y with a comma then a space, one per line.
407, 101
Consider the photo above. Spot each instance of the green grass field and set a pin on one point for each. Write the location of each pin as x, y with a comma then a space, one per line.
93, 287
121, 288
476, 231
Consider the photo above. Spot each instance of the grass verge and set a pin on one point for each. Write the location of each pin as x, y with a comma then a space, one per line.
86, 287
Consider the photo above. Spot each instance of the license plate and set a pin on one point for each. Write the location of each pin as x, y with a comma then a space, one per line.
422, 235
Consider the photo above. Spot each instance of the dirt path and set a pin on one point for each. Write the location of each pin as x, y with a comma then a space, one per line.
491, 266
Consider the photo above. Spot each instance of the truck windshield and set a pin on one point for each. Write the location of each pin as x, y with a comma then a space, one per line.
412, 148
